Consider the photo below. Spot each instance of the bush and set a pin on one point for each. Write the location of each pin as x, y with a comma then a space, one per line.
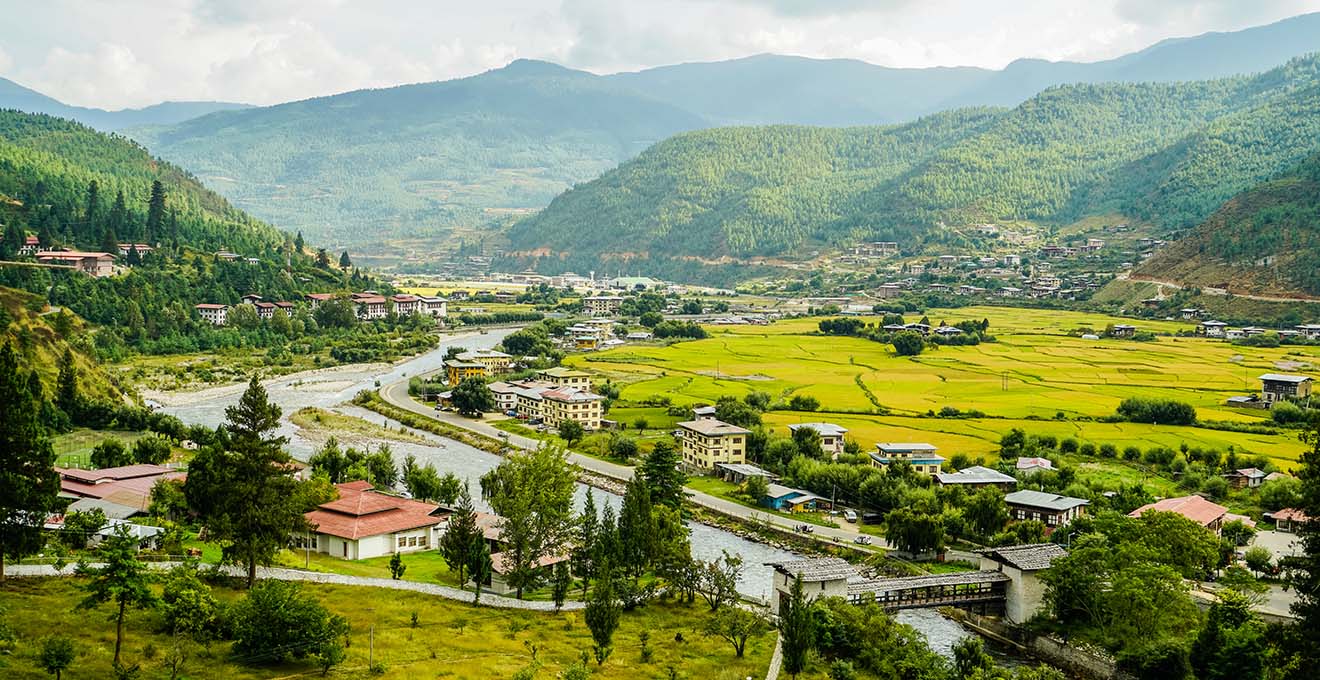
1287, 413
276, 622
803, 402
1087, 449
1131, 453
1108, 451
1159, 411
908, 343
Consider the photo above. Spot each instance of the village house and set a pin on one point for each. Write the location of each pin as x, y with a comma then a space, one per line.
94, 264
501, 566
506, 395
370, 306
457, 370
704, 412
602, 305
566, 377
314, 300
586, 337
1310, 330
1211, 329
437, 307
1245, 478
1205, 513
976, 477
141, 248
888, 290
363, 523
495, 362
31, 244
921, 456
1051, 508
1122, 330
570, 403
1283, 386
212, 313
739, 473
638, 336
129, 485
831, 436
265, 310
708, 442
1030, 466
779, 497
405, 304
1287, 520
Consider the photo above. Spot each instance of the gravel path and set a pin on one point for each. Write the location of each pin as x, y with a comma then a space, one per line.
447, 592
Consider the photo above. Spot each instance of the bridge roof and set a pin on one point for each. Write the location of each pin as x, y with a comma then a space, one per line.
816, 569
1033, 557
913, 582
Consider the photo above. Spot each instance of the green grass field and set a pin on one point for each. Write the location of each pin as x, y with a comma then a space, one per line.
1034, 370
74, 449
453, 640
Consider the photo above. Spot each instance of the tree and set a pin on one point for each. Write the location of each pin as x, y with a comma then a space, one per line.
640, 423
807, 440
602, 615
986, 511
803, 402
533, 492
585, 548
1232, 643
240, 487
57, 654
663, 475
914, 533
336, 313
109, 243
472, 397
121, 579
650, 319
622, 447
29, 485
275, 622
797, 629
188, 606
66, 386
299, 245
81, 526
756, 487
1258, 559
155, 212
459, 541
559, 583
970, 659
110, 453
908, 343
479, 565
344, 261
152, 450
736, 625
636, 527
322, 258
718, 580
571, 431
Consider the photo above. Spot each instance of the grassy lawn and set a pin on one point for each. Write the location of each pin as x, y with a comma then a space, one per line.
657, 420
74, 449
1034, 370
320, 423
729, 491
423, 567
452, 639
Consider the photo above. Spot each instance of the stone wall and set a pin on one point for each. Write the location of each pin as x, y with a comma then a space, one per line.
1075, 661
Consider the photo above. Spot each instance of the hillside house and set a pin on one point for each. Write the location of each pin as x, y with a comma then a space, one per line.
31, 244
314, 300
405, 304
1211, 329
831, 436
94, 264
370, 306
920, 456
1051, 508
1245, 478
708, 442
141, 248
1205, 513
1282, 386
976, 477
213, 314
363, 523
437, 307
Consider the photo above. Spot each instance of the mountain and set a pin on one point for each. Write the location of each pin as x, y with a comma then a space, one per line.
769, 89
367, 167
371, 164
41, 338
1265, 240
1170, 153
19, 98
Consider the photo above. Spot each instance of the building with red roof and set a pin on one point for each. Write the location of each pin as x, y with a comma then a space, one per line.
1206, 513
129, 485
363, 523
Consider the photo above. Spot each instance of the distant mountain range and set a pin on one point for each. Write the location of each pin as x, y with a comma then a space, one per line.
19, 98
359, 168
1167, 153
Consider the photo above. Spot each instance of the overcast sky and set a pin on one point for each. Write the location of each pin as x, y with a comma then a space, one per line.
122, 53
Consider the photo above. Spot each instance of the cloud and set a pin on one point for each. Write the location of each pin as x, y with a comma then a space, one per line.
804, 8
1227, 14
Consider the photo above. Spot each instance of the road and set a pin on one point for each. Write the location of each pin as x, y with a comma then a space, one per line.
1215, 291
396, 393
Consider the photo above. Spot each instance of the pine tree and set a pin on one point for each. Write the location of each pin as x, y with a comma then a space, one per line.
663, 475
636, 527
459, 540
12, 240
344, 262
133, 259
174, 227
322, 258
241, 488
120, 220
796, 629
109, 243
602, 615
1303, 639
299, 244
155, 212
29, 485
121, 580
585, 549
91, 211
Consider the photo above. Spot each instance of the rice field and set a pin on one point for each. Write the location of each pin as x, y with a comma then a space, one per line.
1034, 370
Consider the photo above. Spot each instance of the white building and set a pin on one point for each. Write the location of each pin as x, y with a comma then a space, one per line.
212, 313
362, 524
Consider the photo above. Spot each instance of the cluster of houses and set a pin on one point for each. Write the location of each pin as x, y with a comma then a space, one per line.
552, 397
1219, 329
367, 305
1276, 387
97, 264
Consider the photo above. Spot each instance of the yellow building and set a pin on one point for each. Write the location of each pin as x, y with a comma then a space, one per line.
495, 362
709, 441
456, 371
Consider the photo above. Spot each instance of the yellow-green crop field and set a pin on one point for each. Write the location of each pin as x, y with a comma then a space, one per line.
1035, 369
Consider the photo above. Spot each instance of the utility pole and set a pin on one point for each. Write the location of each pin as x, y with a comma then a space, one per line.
371, 647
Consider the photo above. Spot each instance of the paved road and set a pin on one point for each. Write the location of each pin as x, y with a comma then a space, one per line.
281, 574
397, 394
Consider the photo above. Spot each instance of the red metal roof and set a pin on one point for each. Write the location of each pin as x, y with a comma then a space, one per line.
1195, 508
360, 512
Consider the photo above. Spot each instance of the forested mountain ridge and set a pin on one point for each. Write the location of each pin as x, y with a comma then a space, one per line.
369, 164
1168, 152
17, 97
1265, 240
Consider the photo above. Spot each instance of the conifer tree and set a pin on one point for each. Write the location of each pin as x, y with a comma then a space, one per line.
91, 210
155, 212
29, 485
458, 543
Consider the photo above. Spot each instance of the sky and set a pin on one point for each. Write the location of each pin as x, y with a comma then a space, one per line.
129, 53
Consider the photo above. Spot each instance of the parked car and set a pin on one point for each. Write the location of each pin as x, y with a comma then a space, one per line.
850, 515
862, 540
872, 518
804, 528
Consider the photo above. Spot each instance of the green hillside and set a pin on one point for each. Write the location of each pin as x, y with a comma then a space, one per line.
1265, 240
40, 336
411, 160
1168, 152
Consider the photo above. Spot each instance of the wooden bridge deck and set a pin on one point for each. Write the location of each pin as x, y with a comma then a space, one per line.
973, 589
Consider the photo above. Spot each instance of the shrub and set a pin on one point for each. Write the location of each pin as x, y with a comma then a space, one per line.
1068, 445
1160, 411
1108, 451
1087, 449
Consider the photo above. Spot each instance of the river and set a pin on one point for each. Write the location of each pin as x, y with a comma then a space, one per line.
331, 388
